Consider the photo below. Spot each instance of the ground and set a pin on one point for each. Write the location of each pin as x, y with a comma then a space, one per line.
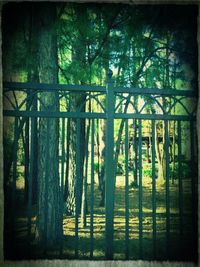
180, 247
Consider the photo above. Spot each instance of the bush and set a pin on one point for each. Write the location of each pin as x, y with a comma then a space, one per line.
147, 172
186, 170
120, 168
97, 167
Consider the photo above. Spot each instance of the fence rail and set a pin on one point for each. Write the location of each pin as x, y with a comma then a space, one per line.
129, 108
94, 88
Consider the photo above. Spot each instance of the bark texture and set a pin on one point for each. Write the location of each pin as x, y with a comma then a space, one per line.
76, 101
48, 173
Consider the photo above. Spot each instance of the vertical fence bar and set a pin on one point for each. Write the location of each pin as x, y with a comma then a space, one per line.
193, 190
16, 137
78, 172
92, 194
126, 191
84, 205
46, 184
30, 181
140, 191
67, 158
153, 188
167, 190
192, 167
26, 156
180, 173
109, 170
13, 202
62, 185
98, 150
135, 148
35, 155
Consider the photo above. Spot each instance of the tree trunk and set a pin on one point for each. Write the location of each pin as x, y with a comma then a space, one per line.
147, 151
159, 154
76, 101
84, 206
101, 177
102, 164
135, 148
66, 190
48, 173
174, 129
71, 186
33, 76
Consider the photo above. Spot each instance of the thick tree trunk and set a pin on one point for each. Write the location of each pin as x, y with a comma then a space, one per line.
77, 100
48, 173
73, 148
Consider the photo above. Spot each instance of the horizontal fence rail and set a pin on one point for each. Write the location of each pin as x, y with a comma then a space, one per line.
9, 86
49, 114
122, 140
175, 97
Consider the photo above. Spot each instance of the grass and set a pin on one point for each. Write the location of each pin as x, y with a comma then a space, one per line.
177, 245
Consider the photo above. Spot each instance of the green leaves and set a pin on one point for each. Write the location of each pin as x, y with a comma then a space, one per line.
148, 46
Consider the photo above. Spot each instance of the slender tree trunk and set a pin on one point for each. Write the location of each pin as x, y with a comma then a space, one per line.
164, 151
66, 190
147, 146
166, 84
102, 168
84, 193
150, 148
174, 129
160, 147
102, 147
159, 155
33, 76
71, 190
26, 161
135, 147
98, 149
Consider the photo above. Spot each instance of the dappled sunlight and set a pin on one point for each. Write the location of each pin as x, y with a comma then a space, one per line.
100, 154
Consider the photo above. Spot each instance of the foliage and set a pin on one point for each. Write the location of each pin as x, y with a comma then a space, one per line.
146, 172
97, 167
135, 43
145, 46
185, 167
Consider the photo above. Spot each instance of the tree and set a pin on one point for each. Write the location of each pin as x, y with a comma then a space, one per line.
82, 24
32, 76
48, 219
74, 182
90, 38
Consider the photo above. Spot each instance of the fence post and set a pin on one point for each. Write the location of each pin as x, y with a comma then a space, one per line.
109, 168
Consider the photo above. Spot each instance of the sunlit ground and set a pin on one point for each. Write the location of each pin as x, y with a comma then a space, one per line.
179, 248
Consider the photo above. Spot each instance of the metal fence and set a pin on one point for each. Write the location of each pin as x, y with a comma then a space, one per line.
145, 220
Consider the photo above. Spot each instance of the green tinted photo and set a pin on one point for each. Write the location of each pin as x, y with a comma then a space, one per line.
100, 134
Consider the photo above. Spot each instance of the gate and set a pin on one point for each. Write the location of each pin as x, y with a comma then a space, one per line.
149, 132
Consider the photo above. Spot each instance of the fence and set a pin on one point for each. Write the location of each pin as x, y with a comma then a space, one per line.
143, 218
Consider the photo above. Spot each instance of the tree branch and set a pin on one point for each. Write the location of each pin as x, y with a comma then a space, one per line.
98, 51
